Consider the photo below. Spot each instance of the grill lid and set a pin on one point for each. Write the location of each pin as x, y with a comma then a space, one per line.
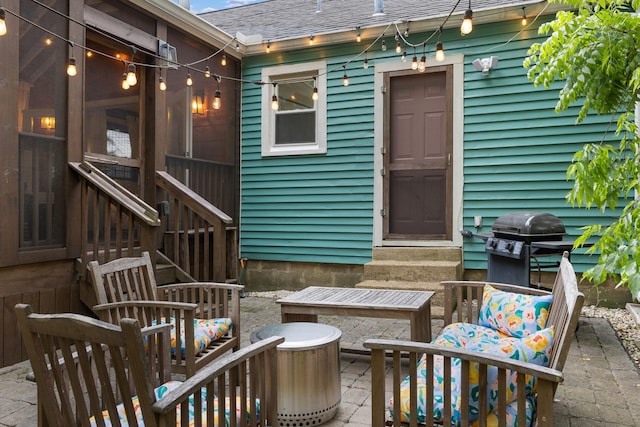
529, 226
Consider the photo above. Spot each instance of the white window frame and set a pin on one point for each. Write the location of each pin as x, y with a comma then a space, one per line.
268, 128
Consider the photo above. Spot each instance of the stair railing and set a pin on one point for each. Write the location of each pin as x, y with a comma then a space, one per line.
199, 238
114, 222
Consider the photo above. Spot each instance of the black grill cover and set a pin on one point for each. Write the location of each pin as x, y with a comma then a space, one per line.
529, 226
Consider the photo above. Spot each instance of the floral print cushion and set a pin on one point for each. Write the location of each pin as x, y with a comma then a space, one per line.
535, 349
513, 314
216, 328
205, 331
164, 389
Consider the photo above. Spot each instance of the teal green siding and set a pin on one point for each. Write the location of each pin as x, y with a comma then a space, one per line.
319, 208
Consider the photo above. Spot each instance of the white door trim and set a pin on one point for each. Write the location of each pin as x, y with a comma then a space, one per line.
458, 137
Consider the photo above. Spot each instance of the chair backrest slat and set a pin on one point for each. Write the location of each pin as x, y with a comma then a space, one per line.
83, 367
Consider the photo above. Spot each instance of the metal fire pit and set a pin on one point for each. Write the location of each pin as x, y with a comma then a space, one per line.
309, 387
518, 238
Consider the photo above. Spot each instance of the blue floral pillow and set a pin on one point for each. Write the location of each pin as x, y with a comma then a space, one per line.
514, 314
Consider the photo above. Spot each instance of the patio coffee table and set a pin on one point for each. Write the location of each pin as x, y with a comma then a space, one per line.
307, 304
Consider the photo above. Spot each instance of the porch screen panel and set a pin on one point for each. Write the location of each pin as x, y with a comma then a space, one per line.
42, 116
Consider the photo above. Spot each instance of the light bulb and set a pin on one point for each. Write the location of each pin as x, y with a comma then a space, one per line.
345, 79
216, 100
314, 96
414, 63
189, 80
207, 71
422, 65
125, 83
274, 103
384, 46
398, 47
439, 52
311, 40
163, 85
223, 61
131, 75
404, 56
268, 47
3, 24
365, 65
72, 70
467, 23
358, 37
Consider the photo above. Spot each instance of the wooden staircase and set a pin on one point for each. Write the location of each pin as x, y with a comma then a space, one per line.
414, 268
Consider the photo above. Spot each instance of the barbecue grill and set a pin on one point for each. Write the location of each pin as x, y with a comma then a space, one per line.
520, 238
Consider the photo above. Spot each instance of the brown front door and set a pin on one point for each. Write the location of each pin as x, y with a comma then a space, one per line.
418, 143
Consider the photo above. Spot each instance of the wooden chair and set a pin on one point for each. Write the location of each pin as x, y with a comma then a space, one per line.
462, 300
88, 371
126, 288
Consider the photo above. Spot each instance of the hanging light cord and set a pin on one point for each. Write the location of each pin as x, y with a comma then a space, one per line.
190, 65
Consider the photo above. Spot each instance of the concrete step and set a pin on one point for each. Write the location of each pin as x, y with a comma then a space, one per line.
418, 254
413, 271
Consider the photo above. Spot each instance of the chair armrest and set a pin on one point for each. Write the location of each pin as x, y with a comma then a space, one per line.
149, 312
257, 361
547, 380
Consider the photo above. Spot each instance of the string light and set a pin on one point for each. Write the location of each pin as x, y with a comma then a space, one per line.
439, 52
365, 64
345, 78
216, 98
422, 65
223, 61
132, 79
358, 37
3, 24
125, 83
162, 84
311, 40
406, 31
207, 71
72, 69
404, 56
268, 47
524, 17
383, 45
314, 96
274, 98
414, 61
467, 22
398, 48
189, 80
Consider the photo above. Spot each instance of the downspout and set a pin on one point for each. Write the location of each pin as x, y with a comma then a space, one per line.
378, 7
319, 6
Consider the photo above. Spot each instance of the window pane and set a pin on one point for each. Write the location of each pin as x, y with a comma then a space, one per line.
296, 128
296, 96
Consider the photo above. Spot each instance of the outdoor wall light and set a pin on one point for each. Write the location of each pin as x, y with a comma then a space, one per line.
485, 64
197, 104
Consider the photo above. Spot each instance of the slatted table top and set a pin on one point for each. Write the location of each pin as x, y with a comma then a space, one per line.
381, 299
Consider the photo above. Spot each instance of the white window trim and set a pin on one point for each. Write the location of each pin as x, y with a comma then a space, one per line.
269, 75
